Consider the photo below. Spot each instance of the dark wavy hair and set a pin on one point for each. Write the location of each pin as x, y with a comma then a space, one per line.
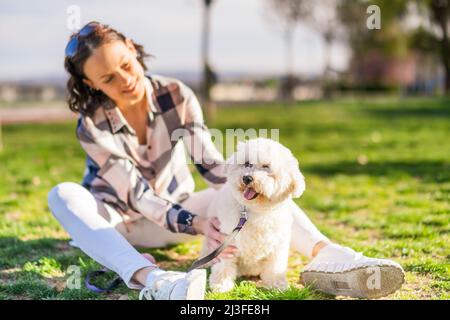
82, 98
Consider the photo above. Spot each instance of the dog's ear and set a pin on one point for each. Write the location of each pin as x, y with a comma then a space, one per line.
297, 180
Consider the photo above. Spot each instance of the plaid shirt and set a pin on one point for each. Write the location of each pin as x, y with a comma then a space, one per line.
152, 186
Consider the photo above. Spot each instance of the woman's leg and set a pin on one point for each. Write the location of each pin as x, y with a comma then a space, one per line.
306, 238
82, 216
145, 233
340, 270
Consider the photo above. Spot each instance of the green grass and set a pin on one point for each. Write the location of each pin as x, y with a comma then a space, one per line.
377, 174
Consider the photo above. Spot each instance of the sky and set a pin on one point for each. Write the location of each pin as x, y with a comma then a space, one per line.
33, 35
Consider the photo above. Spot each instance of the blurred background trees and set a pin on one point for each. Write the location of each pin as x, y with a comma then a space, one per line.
408, 55
381, 59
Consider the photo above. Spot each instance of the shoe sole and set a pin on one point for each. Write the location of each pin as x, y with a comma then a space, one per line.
368, 282
196, 284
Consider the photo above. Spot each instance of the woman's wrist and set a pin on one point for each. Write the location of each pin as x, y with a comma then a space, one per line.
198, 224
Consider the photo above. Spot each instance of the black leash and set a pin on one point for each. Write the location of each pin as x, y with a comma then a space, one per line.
203, 261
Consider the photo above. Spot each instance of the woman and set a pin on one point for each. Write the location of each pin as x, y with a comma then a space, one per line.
138, 190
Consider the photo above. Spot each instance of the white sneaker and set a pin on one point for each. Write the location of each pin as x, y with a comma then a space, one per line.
177, 286
341, 271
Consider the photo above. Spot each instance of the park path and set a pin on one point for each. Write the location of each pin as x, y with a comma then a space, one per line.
13, 115
58, 111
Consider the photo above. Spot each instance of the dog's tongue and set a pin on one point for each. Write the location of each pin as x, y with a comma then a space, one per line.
249, 193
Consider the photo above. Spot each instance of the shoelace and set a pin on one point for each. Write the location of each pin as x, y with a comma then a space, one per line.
145, 293
151, 294
357, 255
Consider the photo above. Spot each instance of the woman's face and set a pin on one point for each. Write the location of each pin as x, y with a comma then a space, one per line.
114, 69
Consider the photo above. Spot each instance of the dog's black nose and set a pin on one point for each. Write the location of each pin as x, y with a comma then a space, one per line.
247, 179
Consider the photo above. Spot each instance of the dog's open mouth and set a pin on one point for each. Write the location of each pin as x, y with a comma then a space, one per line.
250, 193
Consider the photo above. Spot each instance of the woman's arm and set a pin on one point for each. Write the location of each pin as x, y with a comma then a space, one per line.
210, 164
197, 139
120, 183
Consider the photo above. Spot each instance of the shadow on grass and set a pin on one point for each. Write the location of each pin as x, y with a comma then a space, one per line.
39, 269
249, 290
429, 171
426, 109
15, 252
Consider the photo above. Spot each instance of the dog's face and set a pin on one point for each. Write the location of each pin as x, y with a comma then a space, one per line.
263, 173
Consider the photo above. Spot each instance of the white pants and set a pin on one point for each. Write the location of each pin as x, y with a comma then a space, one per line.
98, 229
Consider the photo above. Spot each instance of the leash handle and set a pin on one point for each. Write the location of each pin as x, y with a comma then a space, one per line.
92, 274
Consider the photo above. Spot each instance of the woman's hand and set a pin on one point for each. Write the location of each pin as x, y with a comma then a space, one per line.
210, 227
149, 257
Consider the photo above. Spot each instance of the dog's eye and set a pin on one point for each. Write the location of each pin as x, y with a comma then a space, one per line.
266, 166
247, 164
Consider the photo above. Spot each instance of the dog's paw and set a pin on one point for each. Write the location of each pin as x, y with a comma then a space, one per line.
224, 285
272, 282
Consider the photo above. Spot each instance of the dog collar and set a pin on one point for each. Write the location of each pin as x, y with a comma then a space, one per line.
243, 219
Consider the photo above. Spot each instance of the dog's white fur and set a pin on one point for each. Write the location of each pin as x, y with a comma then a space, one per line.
263, 243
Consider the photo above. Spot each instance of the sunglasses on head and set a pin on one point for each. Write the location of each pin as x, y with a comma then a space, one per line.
73, 45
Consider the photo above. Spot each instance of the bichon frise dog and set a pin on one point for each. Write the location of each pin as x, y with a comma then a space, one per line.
262, 177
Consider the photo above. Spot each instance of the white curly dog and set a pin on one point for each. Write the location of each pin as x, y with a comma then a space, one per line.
262, 176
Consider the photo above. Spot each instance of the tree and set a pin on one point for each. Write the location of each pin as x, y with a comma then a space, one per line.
390, 39
391, 42
289, 14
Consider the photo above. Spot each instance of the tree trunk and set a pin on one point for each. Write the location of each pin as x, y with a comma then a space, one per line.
1, 138
289, 43
441, 11
446, 61
288, 83
445, 52
207, 81
327, 70
447, 76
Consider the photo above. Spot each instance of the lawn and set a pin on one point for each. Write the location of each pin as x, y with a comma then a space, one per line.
377, 174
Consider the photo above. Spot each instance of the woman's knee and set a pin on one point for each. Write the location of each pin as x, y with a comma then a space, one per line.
67, 194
